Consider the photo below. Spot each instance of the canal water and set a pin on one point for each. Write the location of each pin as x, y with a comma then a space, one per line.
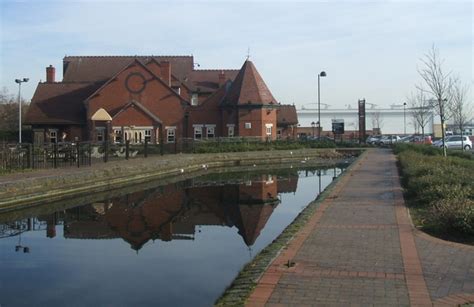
180, 244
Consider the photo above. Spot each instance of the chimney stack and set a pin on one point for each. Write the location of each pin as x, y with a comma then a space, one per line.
221, 78
166, 72
50, 74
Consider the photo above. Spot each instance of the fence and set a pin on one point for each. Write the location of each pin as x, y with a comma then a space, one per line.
29, 156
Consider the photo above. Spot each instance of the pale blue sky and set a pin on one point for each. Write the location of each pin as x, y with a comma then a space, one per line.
368, 49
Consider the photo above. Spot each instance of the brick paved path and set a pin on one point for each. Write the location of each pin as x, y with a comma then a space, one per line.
360, 248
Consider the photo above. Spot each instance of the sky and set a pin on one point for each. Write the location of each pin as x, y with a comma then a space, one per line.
369, 49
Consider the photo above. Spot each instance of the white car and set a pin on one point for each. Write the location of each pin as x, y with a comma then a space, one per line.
455, 141
389, 139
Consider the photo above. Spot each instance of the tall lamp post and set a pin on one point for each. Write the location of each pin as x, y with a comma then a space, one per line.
321, 74
20, 81
404, 119
313, 124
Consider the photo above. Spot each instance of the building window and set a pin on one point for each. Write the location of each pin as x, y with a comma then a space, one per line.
148, 135
170, 135
53, 136
248, 125
268, 129
100, 134
278, 133
198, 132
117, 135
210, 132
157, 135
194, 99
230, 131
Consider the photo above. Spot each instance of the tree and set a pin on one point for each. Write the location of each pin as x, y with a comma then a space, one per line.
9, 111
439, 85
421, 109
461, 109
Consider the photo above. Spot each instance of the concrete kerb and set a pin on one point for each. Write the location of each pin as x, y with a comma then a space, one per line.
20, 195
247, 279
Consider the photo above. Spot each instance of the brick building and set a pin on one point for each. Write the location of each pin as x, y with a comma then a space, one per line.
158, 98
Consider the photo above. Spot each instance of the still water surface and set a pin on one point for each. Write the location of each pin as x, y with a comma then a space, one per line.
176, 245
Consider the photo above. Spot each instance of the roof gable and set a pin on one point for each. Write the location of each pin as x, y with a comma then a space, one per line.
133, 63
249, 88
140, 107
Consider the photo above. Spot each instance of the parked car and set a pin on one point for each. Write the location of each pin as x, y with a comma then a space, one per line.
455, 141
418, 139
389, 139
407, 138
373, 139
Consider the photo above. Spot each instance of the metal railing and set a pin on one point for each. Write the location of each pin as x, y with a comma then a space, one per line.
79, 154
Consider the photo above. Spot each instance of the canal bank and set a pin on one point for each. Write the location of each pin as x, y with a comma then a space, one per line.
24, 190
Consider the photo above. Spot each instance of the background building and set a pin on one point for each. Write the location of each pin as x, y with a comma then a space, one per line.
388, 120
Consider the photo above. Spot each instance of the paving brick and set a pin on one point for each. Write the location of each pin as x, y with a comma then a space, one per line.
360, 249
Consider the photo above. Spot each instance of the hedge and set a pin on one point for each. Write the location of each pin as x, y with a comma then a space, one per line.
440, 189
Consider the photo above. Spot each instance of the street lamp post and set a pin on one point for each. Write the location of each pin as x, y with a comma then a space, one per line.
321, 74
313, 124
20, 81
404, 119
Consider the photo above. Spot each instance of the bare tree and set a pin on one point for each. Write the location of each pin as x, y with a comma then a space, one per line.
9, 111
461, 109
377, 120
439, 85
420, 109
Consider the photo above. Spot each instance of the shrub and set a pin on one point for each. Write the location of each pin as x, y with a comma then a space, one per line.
455, 215
442, 188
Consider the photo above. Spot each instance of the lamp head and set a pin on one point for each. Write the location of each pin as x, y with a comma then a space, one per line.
17, 80
404, 103
26, 79
322, 74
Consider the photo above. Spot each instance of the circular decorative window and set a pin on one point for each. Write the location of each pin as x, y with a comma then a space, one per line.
135, 83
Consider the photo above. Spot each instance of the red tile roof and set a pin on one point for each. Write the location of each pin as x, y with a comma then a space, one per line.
286, 115
60, 103
208, 80
249, 88
101, 68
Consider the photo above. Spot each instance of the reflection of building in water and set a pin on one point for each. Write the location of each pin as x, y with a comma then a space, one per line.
171, 212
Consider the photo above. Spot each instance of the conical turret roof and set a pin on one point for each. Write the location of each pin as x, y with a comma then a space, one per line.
249, 88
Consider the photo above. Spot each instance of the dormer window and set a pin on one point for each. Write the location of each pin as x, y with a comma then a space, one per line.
177, 90
194, 99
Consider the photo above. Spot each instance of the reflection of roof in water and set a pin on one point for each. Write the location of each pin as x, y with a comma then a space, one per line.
172, 213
